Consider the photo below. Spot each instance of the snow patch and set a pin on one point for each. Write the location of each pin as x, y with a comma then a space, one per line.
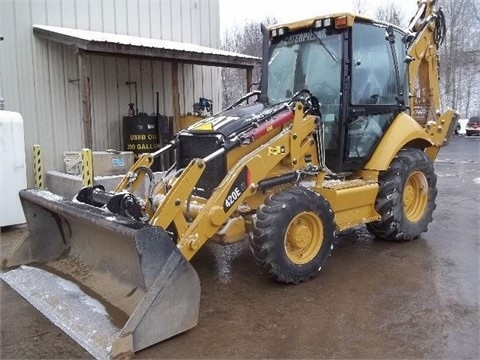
95, 305
307, 184
50, 196
476, 181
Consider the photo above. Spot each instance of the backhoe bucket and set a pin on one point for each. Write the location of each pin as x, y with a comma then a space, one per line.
113, 284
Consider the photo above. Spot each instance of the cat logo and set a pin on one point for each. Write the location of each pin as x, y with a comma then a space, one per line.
276, 150
207, 126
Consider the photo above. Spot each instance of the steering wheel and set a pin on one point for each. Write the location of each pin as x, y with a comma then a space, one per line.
326, 93
308, 100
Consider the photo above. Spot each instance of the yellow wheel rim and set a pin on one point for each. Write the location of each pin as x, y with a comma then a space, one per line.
415, 196
303, 238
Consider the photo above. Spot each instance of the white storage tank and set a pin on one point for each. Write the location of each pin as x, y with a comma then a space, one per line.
13, 177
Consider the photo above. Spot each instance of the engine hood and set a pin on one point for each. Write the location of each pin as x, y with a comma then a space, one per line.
235, 120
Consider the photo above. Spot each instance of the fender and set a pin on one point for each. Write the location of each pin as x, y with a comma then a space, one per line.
402, 131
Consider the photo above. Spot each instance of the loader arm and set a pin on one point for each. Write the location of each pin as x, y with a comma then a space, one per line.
240, 182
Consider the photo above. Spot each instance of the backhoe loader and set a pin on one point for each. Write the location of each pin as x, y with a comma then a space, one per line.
343, 132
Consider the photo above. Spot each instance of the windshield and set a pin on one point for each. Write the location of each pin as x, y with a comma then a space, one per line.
307, 60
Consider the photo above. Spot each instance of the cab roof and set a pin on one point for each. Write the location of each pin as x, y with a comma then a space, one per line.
307, 23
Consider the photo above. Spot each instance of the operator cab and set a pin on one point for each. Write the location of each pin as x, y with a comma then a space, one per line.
357, 70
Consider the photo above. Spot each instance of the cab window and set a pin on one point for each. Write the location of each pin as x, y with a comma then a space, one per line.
373, 71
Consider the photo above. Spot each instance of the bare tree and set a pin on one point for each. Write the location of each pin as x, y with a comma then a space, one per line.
246, 39
390, 13
360, 7
460, 67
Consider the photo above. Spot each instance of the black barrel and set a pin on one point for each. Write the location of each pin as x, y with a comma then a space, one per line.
141, 135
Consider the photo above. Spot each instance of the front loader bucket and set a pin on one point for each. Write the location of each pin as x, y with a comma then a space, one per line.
113, 284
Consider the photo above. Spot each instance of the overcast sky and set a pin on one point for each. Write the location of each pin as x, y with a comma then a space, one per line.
238, 11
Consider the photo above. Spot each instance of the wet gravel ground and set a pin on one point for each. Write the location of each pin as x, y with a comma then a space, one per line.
373, 299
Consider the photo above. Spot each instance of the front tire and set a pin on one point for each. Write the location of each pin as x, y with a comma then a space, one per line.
406, 198
293, 235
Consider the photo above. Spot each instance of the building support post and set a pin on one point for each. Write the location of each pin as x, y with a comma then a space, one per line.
84, 78
249, 78
175, 98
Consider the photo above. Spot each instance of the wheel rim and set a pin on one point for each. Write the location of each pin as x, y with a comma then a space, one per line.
304, 238
415, 196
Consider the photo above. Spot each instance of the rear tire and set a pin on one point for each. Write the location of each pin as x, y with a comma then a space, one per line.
406, 198
293, 235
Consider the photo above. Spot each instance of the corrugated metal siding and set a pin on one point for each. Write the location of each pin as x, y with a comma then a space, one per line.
39, 78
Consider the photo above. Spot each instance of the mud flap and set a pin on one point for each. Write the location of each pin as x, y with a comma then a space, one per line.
113, 284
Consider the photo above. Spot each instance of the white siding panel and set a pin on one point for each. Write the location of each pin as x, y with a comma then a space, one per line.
42, 122
72, 100
215, 43
190, 99
8, 56
167, 88
175, 20
166, 19
57, 102
197, 82
144, 18
205, 30
132, 18
185, 21
99, 109
205, 40
157, 83
195, 22
83, 14
121, 24
44, 111
109, 18
113, 115
54, 12
96, 18
181, 89
68, 14
25, 74
123, 92
155, 20
214, 24
134, 75
146, 93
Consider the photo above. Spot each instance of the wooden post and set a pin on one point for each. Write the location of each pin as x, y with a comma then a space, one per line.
249, 78
175, 98
86, 102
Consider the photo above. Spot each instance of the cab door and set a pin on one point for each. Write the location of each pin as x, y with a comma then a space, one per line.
377, 91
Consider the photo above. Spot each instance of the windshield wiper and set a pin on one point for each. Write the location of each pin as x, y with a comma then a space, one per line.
320, 41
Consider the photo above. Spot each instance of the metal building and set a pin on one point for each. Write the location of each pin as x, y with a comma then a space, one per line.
40, 77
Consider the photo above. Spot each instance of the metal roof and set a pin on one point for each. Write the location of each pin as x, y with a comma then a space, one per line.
115, 44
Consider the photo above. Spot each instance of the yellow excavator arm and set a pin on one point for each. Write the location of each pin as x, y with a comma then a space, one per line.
427, 30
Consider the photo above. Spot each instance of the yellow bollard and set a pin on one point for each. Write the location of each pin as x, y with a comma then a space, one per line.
87, 167
38, 167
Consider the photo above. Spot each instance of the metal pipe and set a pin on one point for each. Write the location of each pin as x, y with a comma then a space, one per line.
167, 147
213, 155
